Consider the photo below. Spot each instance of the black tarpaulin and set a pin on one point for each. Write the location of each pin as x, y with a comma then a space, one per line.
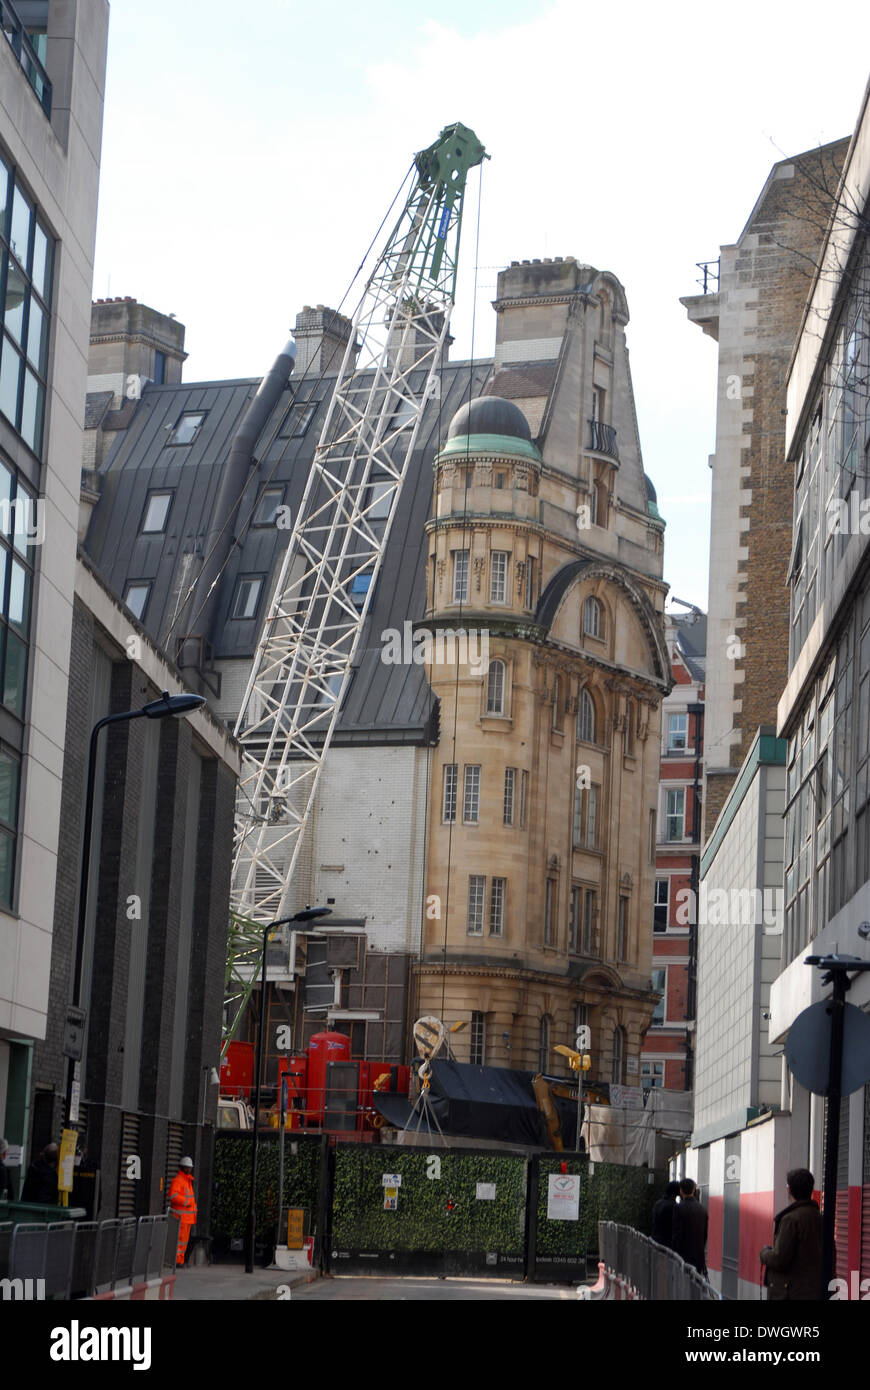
482, 1103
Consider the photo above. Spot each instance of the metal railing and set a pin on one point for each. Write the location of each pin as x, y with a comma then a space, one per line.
709, 280
19, 40
649, 1270
603, 439
78, 1259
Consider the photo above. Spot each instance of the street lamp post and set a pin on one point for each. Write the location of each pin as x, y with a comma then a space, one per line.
156, 709
307, 915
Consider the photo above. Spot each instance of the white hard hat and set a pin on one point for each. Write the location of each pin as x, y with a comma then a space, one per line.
186, 1163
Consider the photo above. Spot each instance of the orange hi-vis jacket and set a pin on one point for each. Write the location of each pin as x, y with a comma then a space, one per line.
181, 1198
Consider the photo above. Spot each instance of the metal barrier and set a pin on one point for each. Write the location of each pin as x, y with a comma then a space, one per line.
5, 1248
635, 1267
125, 1252
80, 1259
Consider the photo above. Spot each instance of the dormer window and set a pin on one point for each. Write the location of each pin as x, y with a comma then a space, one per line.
156, 512
188, 427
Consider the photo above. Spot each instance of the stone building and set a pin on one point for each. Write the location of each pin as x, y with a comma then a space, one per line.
754, 316
542, 808
52, 75
562, 567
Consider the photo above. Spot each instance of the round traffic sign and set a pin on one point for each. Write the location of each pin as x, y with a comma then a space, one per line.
808, 1049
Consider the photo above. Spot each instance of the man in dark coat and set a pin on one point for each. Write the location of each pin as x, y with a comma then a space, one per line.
40, 1185
794, 1262
5, 1175
663, 1216
690, 1228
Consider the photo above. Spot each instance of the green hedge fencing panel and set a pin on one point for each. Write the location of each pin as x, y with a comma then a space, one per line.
427, 1211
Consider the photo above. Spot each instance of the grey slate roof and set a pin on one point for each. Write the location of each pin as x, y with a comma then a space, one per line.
384, 703
692, 638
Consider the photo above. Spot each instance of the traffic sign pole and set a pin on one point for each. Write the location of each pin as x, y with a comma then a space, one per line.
837, 968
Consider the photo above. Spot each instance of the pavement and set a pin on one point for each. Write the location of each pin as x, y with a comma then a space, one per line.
230, 1283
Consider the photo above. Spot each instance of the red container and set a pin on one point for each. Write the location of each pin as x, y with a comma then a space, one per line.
297, 1070
323, 1048
237, 1070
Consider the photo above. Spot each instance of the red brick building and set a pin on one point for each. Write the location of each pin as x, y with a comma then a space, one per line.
666, 1057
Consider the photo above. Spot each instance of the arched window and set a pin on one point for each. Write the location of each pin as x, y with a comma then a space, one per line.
586, 718
618, 1051
593, 620
544, 1049
495, 688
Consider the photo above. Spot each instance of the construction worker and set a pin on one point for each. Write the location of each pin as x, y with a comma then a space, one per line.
183, 1204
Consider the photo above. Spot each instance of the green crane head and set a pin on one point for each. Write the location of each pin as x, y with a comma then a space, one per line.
449, 159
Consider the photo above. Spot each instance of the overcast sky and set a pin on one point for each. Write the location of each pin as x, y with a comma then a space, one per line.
251, 151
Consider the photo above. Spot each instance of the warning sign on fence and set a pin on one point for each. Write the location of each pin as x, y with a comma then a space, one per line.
563, 1197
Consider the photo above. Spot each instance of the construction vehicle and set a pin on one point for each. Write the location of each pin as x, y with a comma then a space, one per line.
306, 650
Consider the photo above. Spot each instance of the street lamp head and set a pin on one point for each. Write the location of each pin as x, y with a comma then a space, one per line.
308, 914
172, 704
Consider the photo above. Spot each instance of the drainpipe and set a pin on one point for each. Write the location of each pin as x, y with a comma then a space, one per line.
223, 527
692, 985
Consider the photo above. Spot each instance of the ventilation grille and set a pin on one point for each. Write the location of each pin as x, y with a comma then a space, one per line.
174, 1155
128, 1186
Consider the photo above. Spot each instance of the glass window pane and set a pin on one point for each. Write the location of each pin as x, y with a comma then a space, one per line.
136, 597
267, 508
7, 864
8, 789
19, 232
16, 297
14, 675
37, 337
31, 412
42, 249
25, 527
4, 196
10, 371
19, 597
157, 511
187, 428
5, 495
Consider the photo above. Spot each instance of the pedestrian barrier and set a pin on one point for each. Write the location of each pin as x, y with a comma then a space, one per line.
635, 1267
101, 1260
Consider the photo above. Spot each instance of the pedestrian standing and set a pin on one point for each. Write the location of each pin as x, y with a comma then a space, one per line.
793, 1264
663, 1216
5, 1175
40, 1185
690, 1228
183, 1204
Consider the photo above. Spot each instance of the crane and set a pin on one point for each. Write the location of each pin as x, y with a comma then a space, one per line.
307, 647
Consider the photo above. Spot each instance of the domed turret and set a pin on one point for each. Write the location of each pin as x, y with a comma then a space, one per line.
490, 425
490, 415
